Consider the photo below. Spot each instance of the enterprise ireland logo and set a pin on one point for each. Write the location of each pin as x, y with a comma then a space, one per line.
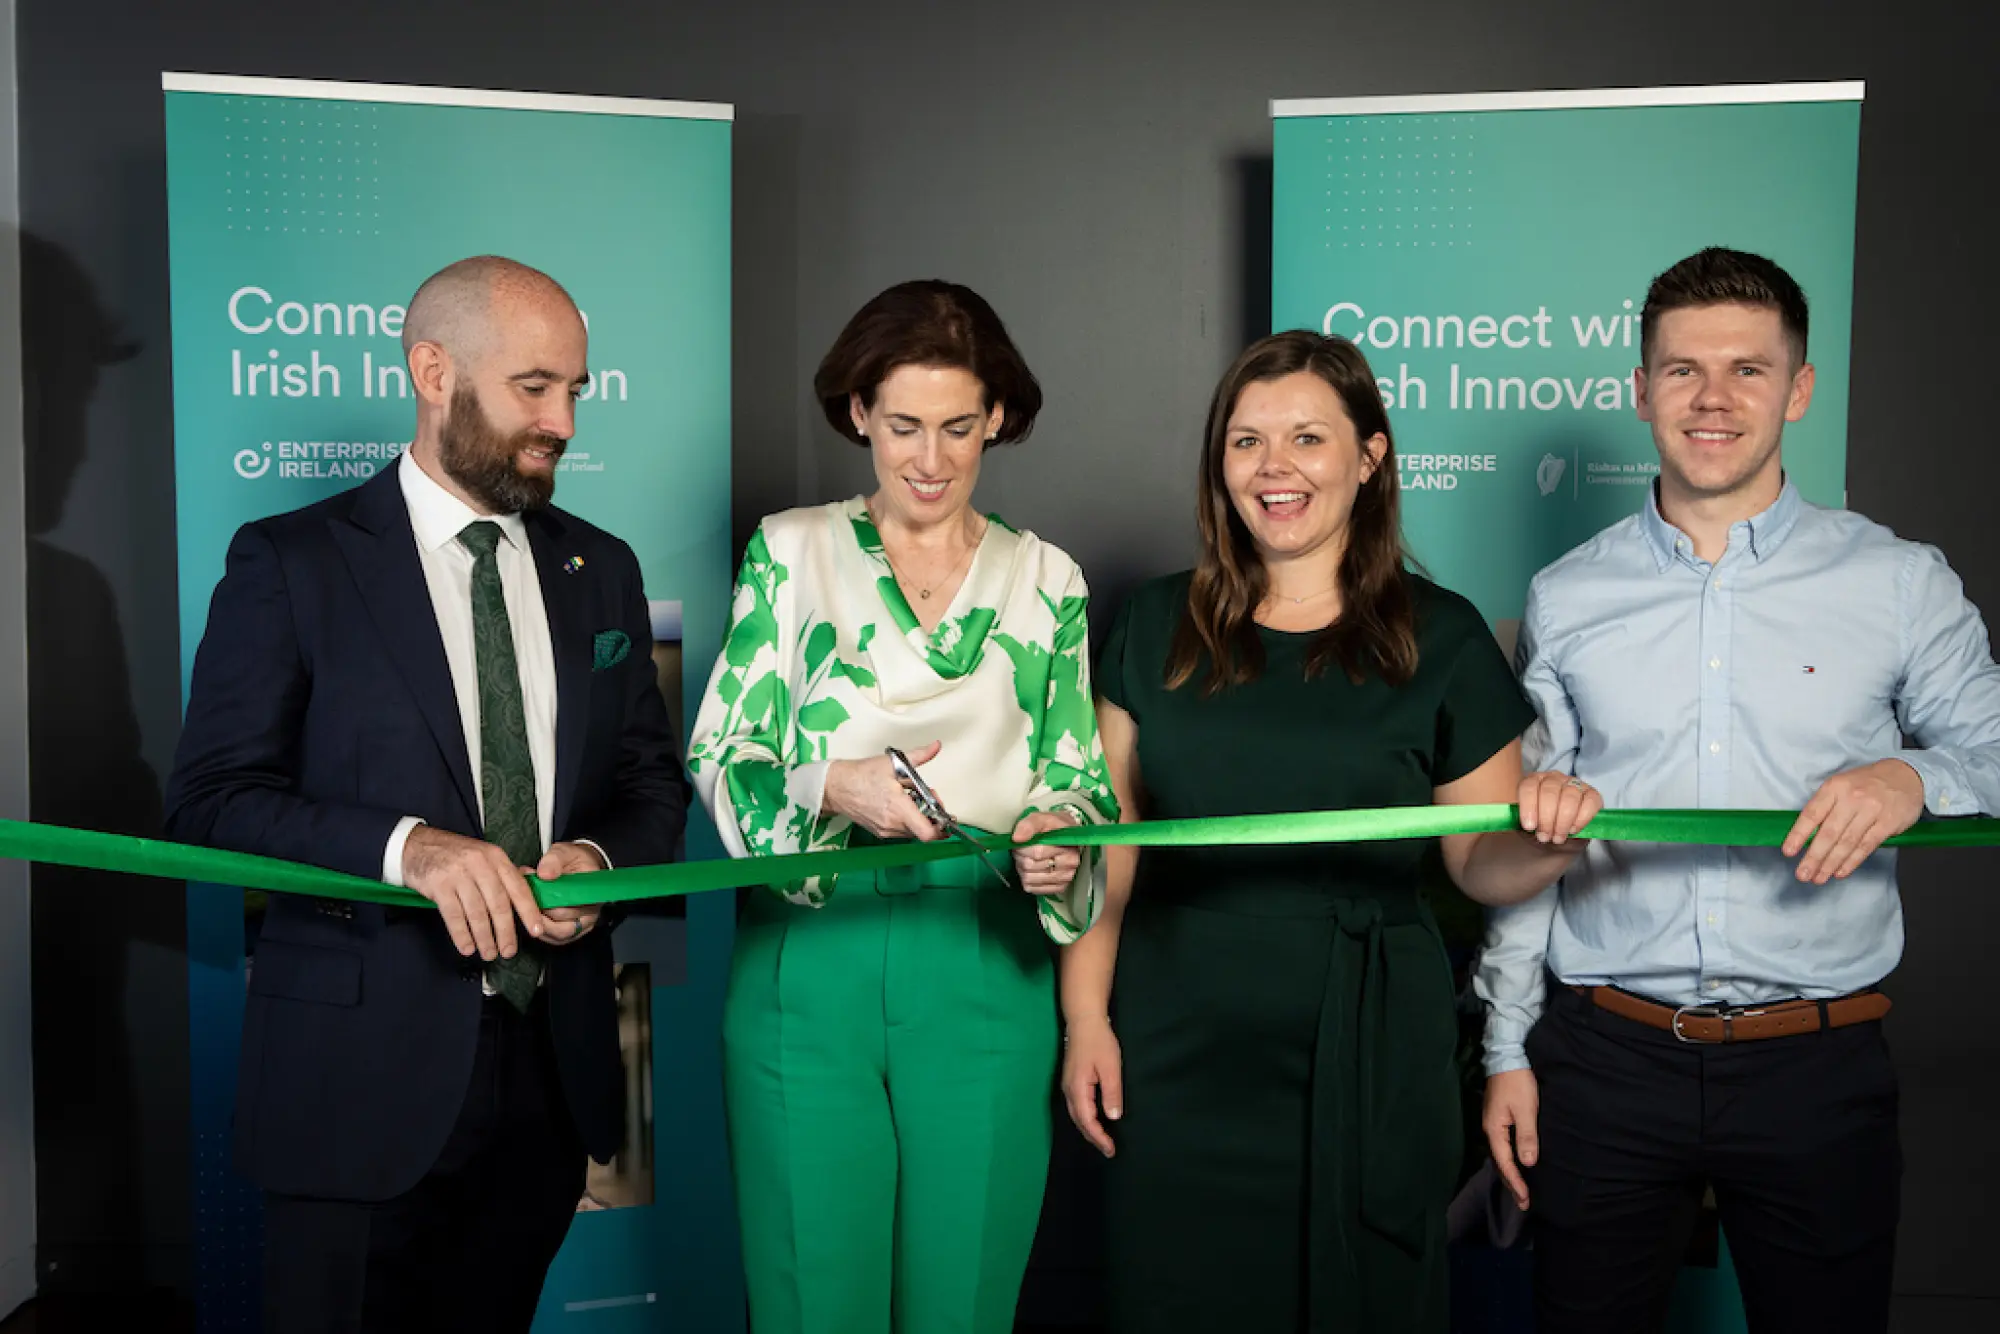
317, 460
252, 464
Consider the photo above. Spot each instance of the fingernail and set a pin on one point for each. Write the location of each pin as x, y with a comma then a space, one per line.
1114, 1112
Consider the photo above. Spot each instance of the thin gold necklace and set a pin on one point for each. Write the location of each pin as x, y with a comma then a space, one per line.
924, 594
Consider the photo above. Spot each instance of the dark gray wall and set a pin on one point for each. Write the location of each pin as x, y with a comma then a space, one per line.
1099, 171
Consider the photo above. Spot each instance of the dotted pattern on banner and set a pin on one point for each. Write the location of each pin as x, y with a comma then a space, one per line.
229, 1241
304, 167
1405, 181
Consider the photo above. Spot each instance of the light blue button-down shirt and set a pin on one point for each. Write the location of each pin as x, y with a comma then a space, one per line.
1814, 645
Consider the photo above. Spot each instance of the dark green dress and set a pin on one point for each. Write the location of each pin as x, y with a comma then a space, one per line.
1291, 1123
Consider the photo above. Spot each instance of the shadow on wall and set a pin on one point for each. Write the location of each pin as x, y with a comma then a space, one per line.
1251, 177
764, 319
85, 770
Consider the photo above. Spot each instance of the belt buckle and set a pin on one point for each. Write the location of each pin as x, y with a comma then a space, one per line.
1701, 1012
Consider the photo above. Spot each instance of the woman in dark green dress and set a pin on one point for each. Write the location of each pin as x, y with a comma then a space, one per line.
1279, 1096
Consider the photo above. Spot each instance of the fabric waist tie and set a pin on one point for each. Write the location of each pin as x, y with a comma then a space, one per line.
1351, 1119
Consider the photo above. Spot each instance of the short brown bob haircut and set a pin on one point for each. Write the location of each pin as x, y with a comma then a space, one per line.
928, 322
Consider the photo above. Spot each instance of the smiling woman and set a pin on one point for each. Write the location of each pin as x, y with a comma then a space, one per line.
914, 1012
1300, 666
1299, 499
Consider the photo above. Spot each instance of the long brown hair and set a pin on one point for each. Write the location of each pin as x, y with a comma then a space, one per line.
1376, 630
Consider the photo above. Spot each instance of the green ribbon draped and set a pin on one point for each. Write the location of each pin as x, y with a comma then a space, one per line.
59, 846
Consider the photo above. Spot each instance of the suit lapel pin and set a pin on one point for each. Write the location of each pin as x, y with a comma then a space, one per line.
572, 565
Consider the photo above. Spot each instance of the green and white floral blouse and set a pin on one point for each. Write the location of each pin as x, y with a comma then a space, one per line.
825, 661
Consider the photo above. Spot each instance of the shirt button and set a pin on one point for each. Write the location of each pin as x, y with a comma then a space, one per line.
1715, 747
1714, 663
1718, 585
1715, 986
1711, 919
1944, 803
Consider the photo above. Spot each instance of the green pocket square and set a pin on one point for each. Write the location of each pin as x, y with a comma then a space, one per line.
608, 649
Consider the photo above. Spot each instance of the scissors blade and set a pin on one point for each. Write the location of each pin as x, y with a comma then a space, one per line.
933, 808
953, 828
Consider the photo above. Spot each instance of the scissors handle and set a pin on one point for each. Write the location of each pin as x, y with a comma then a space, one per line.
920, 791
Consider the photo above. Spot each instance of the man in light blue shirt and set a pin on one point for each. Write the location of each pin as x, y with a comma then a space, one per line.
1711, 1018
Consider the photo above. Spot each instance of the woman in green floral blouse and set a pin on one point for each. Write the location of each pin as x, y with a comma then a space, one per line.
890, 1040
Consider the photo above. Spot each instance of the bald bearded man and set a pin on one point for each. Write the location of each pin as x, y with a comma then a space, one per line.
438, 680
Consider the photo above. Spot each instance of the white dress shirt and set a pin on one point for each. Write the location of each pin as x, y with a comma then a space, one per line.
438, 518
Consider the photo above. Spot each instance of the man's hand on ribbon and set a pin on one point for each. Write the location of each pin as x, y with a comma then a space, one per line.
1850, 815
571, 924
477, 889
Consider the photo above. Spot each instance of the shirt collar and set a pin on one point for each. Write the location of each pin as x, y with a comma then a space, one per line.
438, 516
1767, 530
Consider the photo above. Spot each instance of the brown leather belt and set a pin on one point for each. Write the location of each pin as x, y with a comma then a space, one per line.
1740, 1023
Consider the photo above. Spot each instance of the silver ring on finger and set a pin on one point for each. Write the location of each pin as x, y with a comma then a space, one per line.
1577, 783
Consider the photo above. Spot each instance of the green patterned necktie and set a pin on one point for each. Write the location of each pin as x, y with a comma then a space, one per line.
506, 767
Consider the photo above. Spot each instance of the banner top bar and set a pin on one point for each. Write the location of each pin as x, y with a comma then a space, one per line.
422, 95
1565, 99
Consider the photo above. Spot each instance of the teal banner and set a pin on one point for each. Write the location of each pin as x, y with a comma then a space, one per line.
1490, 254
302, 218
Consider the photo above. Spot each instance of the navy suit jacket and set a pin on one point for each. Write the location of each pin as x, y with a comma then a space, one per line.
321, 713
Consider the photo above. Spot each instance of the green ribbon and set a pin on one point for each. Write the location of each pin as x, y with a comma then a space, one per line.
56, 845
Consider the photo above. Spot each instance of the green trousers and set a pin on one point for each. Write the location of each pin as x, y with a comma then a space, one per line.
888, 1064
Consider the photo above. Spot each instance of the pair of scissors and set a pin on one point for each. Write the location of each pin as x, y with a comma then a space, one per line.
933, 809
